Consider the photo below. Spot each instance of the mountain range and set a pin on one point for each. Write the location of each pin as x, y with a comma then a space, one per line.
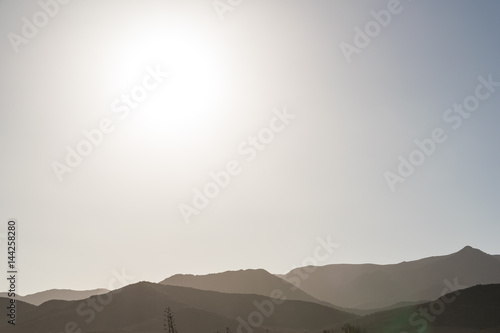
371, 287
360, 289
475, 309
408, 297
60, 294
140, 307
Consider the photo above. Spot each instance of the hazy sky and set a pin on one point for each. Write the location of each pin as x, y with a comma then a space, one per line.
321, 173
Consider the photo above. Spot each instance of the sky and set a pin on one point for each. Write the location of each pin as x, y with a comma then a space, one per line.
164, 137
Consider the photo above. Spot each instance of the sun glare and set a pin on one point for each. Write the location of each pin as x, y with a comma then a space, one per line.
183, 108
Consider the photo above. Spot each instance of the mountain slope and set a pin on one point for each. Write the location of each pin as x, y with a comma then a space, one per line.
377, 286
140, 307
20, 306
59, 294
258, 282
468, 310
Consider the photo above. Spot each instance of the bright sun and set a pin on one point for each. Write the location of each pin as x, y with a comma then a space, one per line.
183, 108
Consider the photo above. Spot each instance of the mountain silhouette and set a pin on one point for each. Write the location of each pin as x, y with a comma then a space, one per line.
469, 310
60, 294
250, 281
139, 307
370, 286
390, 297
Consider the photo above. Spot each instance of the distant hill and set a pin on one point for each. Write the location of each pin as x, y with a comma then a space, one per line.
59, 294
475, 309
370, 286
140, 307
250, 281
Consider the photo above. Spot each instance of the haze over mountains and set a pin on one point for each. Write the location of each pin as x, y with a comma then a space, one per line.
59, 294
248, 301
361, 287
377, 286
258, 282
140, 307
470, 310
348, 286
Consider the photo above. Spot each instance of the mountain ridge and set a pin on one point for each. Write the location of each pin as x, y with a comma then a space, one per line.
351, 285
57, 294
140, 307
468, 310
247, 281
